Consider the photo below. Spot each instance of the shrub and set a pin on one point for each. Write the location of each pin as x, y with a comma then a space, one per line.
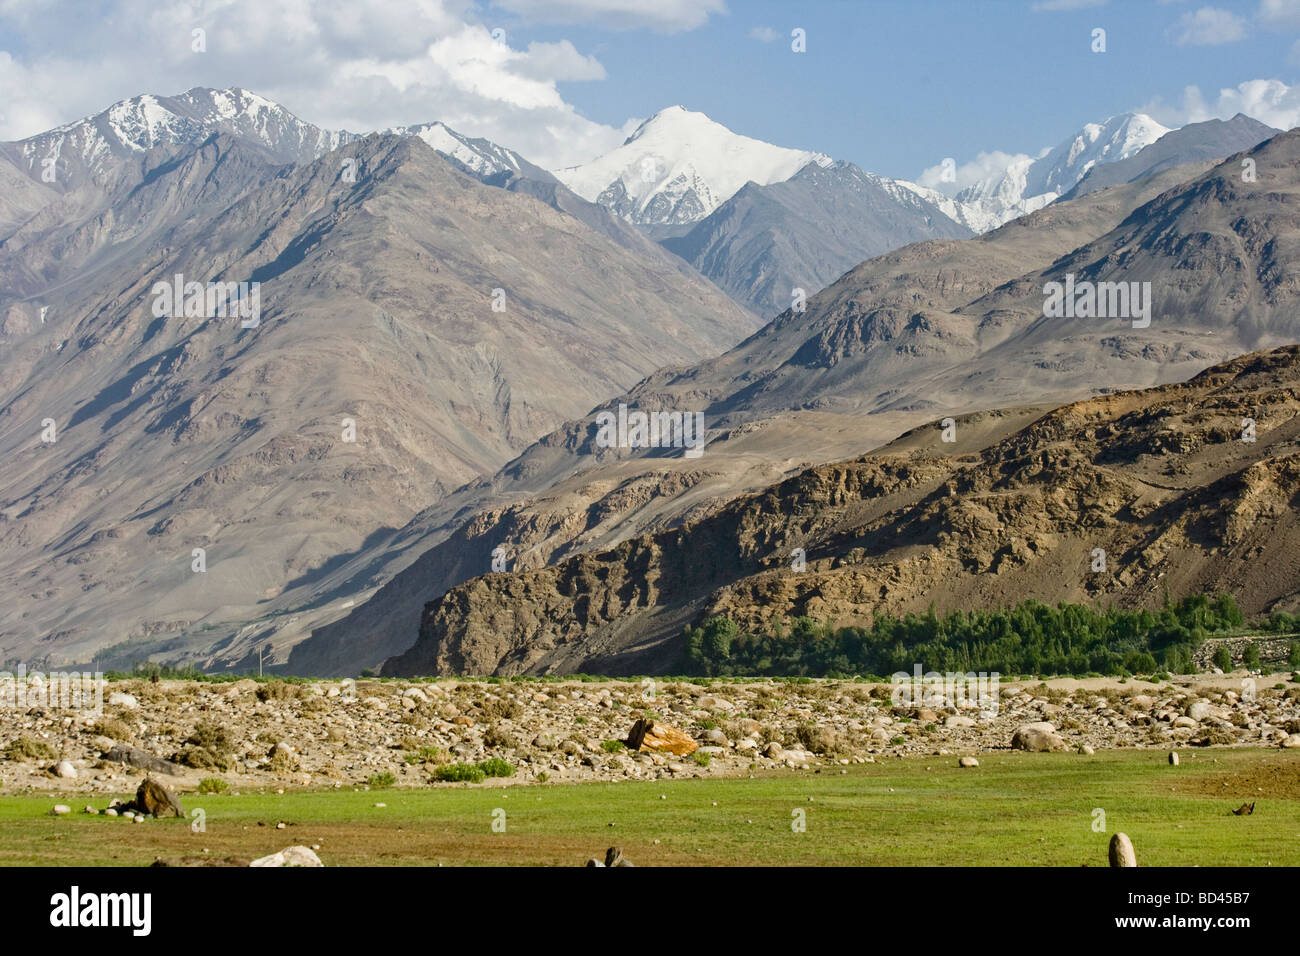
1251, 657
496, 767
201, 758
278, 690
382, 779
460, 773
500, 709
701, 758
212, 736
113, 729
815, 739
282, 761
213, 785
424, 755
1222, 658
613, 746
499, 738
29, 748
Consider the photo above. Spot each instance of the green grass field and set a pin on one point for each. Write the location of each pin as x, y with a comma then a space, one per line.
1021, 809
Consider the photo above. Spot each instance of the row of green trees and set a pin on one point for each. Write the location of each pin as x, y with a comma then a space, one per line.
1030, 638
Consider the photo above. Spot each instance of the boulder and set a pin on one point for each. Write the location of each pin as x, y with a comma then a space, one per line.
614, 857
122, 699
290, 856
968, 762
1121, 851
156, 800
141, 760
1040, 737
1173, 758
65, 770
658, 737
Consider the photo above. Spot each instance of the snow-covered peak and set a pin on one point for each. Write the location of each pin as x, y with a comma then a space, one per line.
679, 166
84, 148
1117, 138
1026, 184
480, 156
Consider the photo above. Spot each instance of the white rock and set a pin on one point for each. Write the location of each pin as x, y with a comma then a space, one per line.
60, 809
122, 699
1199, 710
290, 856
66, 770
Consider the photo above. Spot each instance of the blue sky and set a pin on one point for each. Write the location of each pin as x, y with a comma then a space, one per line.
893, 85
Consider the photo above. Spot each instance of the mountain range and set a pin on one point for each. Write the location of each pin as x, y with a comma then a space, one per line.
418, 328
441, 321
942, 328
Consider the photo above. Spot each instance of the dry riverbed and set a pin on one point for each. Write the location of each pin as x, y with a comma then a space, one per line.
277, 734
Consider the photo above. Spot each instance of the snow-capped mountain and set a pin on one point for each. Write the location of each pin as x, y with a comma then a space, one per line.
678, 167
87, 147
1026, 185
480, 158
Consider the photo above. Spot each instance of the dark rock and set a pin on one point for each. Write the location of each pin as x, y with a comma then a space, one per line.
156, 800
140, 759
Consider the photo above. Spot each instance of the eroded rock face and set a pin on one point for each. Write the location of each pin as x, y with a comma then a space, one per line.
1159, 480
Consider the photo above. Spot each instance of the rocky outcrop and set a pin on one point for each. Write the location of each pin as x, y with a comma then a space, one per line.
1113, 499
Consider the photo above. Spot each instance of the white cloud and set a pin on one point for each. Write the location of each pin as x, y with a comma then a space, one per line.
1208, 26
335, 63
984, 167
1269, 101
764, 34
1280, 14
664, 16
1054, 5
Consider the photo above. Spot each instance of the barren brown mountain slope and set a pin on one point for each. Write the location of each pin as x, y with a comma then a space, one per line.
1163, 480
874, 354
377, 305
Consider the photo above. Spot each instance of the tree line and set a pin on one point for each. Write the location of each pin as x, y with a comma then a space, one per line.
1030, 638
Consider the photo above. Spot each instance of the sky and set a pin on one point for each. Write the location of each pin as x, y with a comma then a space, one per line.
894, 86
